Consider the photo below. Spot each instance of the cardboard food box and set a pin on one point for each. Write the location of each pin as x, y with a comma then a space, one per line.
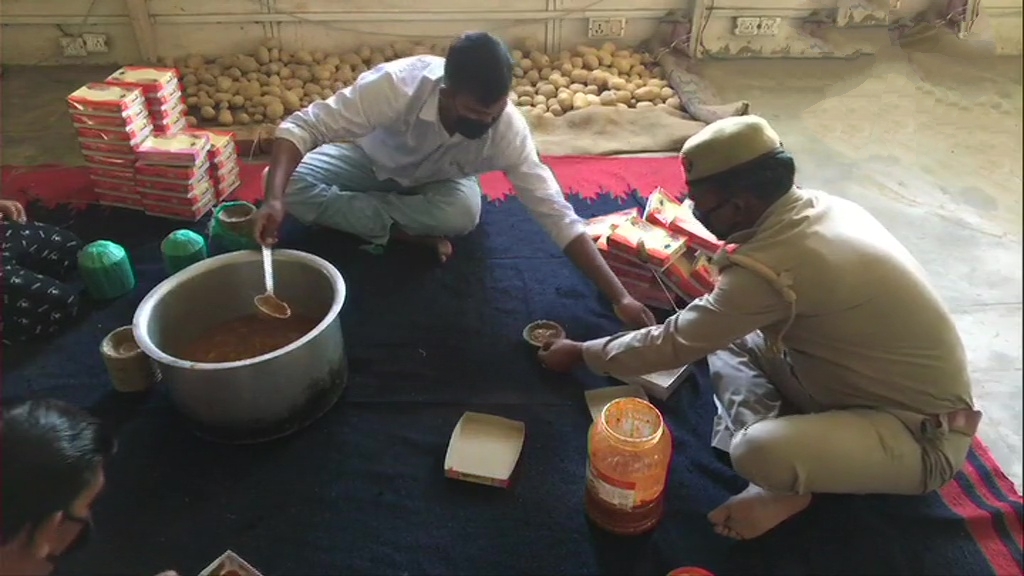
642, 275
230, 564
112, 173
601, 226
222, 144
484, 449
651, 294
598, 398
137, 115
178, 212
662, 384
118, 186
650, 244
133, 134
116, 147
224, 188
108, 99
667, 212
191, 197
679, 277
182, 149
120, 200
155, 83
109, 160
200, 180
160, 171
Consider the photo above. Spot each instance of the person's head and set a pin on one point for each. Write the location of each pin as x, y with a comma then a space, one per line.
735, 169
477, 80
53, 457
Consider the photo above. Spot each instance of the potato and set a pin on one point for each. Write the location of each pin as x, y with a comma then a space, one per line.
523, 91
263, 55
275, 110
604, 58
576, 87
547, 90
639, 71
204, 101
207, 112
593, 99
617, 84
291, 101
622, 65
191, 90
293, 84
590, 62
321, 73
597, 78
224, 118
221, 97
565, 100
352, 59
305, 101
539, 100
192, 101
555, 110
364, 53
303, 74
191, 121
254, 76
640, 105
580, 101
237, 101
257, 118
566, 68
560, 82
526, 65
542, 108
673, 103
525, 101
189, 80
532, 77
274, 80
579, 76
275, 54
303, 57
206, 78
242, 118
576, 62
539, 59
646, 94
607, 98
249, 90
583, 49
195, 61
667, 93
312, 90
592, 90
622, 106
623, 96
233, 73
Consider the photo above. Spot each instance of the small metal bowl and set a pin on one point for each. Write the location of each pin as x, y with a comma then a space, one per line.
542, 331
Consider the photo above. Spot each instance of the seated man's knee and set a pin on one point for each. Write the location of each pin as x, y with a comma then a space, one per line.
763, 455
459, 220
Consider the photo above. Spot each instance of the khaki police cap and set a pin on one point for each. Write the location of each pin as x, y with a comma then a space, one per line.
727, 144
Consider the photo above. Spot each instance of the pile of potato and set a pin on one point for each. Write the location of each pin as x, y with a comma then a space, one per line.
266, 86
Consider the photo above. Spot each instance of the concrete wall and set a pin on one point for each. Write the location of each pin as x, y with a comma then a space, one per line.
31, 28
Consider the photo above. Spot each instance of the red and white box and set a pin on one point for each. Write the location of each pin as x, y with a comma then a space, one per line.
169, 118
182, 187
112, 173
601, 226
646, 242
184, 149
158, 85
193, 197
225, 184
133, 134
665, 211
178, 173
157, 206
653, 295
107, 198
106, 100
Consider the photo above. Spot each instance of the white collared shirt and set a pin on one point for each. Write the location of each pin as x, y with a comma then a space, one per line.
391, 112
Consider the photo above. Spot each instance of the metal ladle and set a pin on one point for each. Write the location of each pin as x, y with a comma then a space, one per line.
267, 303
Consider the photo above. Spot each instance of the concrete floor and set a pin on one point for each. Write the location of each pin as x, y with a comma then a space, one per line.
932, 146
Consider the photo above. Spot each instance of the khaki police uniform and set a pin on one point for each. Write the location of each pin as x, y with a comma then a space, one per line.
836, 367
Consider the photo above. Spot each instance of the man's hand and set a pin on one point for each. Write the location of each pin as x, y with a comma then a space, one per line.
561, 355
12, 210
268, 222
634, 314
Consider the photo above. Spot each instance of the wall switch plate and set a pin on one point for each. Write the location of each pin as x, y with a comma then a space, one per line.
769, 26
73, 46
606, 28
95, 42
747, 26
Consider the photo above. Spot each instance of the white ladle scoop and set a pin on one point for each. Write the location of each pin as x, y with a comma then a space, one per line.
267, 303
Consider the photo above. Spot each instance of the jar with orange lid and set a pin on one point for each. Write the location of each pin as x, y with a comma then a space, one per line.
629, 450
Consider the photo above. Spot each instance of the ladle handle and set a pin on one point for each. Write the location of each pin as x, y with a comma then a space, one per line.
268, 270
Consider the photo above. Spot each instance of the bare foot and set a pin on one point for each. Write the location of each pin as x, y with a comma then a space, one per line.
755, 511
441, 245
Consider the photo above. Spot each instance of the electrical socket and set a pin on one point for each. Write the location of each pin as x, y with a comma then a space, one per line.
95, 42
73, 46
607, 28
747, 26
769, 26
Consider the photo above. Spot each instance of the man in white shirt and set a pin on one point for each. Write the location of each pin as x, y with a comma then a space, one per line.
398, 153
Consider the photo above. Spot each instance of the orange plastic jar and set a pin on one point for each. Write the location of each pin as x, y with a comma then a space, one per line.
629, 454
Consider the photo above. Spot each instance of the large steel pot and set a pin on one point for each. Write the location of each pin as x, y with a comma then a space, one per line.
260, 398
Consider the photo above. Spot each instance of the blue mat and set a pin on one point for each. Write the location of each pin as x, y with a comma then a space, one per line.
361, 491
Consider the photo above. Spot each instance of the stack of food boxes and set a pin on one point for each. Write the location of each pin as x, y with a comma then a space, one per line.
173, 175
223, 161
164, 98
658, 265
111, 121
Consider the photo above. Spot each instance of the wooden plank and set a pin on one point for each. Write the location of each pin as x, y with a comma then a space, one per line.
138, 14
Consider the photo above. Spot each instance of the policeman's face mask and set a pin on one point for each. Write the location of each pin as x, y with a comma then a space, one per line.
721, 219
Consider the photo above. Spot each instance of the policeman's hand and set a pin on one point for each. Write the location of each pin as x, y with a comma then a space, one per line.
561, 355
268, 222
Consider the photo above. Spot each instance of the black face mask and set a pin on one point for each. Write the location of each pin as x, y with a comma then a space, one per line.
470, 128
81, 539
705, 219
